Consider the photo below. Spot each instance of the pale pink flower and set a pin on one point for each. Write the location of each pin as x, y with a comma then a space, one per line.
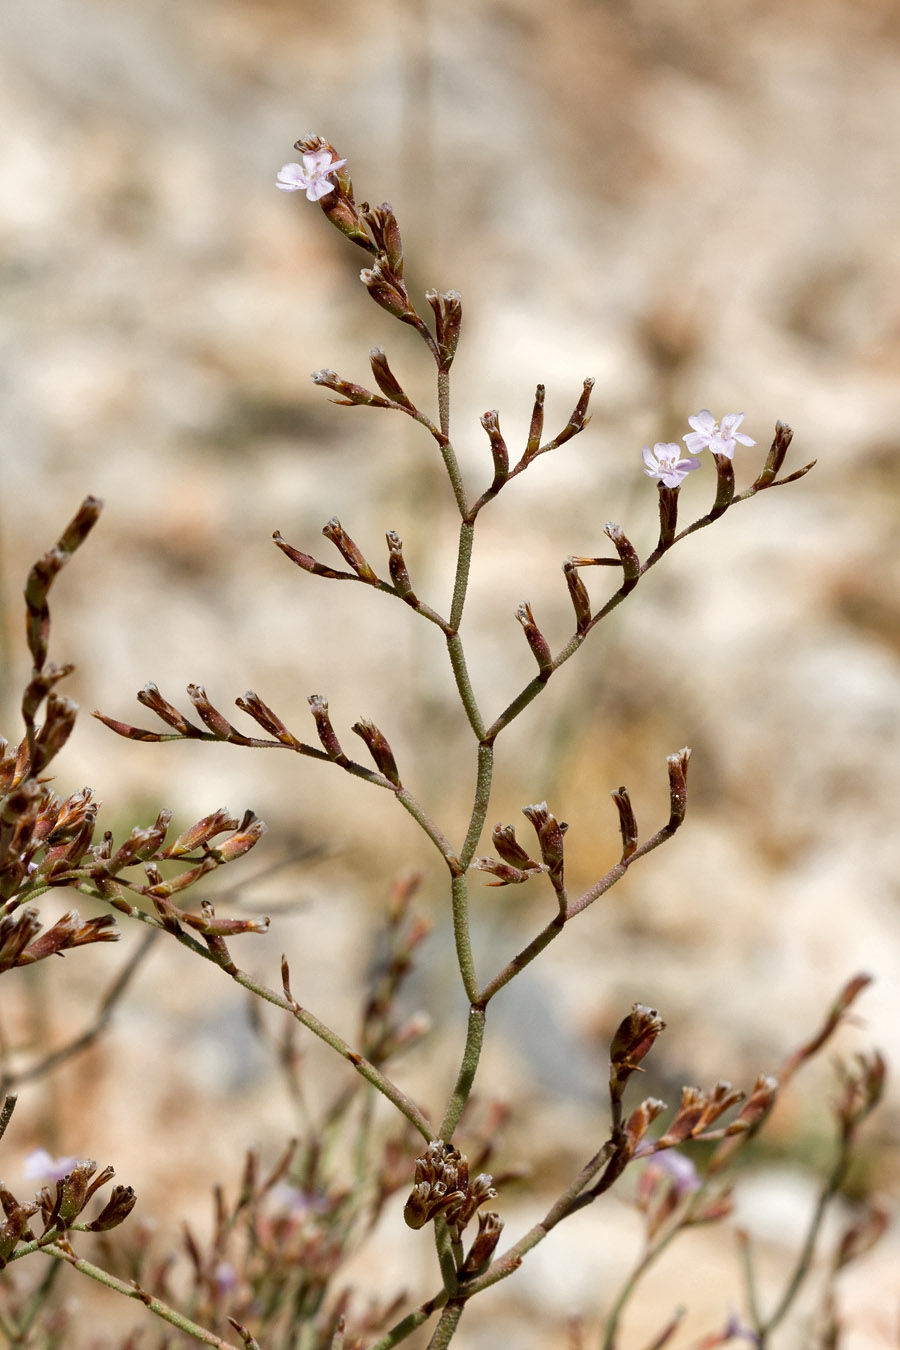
720, 437
311, 176
41, 1166
679, 1167
664, 463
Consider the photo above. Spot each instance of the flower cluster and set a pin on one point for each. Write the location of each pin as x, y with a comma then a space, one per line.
665, 463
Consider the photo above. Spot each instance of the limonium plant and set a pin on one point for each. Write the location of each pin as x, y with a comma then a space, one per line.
271, 1272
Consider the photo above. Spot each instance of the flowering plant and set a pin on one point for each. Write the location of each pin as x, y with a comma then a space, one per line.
298, 1222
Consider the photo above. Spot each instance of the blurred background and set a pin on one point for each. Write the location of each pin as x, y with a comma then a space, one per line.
696, 204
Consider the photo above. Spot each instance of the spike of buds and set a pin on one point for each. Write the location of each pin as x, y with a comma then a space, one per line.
749, 1119
42, 575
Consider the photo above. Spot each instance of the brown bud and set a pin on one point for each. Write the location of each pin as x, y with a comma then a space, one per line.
351, 394
68, 932
335, 531
327, 734
305, 561
387, 381
116, 1210
379, 750
447, 309
388, 291
633, 1040
509, 848
490, 1226
219, 725
499, 453
668, 516
627, 823
536, 427
641, 1119
749, 1119
581, 601
397, 569
386, 232
248, 833
724, 486
253, 705
689, 1117
579, 419
631, 563
507, 874
550, 833
861, 1235
59, 719
777, 452
678, 767
536, 640
201, 833
151, 698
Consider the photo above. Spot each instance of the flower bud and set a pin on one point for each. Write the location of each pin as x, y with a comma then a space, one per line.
379, 750
633, 1040
327, 735
387, 381
581, 601
509, 848
335, 531
627, 823
536, 640
447, 309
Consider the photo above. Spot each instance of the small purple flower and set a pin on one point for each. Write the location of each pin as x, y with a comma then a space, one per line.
679, 1167
720, 437
311, 176
664, 463
736, 1331
41, 1166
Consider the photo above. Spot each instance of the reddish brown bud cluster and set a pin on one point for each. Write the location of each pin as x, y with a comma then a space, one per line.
62, 1209
442, 1188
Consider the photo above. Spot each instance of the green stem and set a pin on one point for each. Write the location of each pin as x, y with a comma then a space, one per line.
631, 1283
410, 1323
467, 1070
362, 1066
459, 898
155, 1305
425, 823
804, 1261
480, 804
463, 565
446, 1327
446, 1259
464, 685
